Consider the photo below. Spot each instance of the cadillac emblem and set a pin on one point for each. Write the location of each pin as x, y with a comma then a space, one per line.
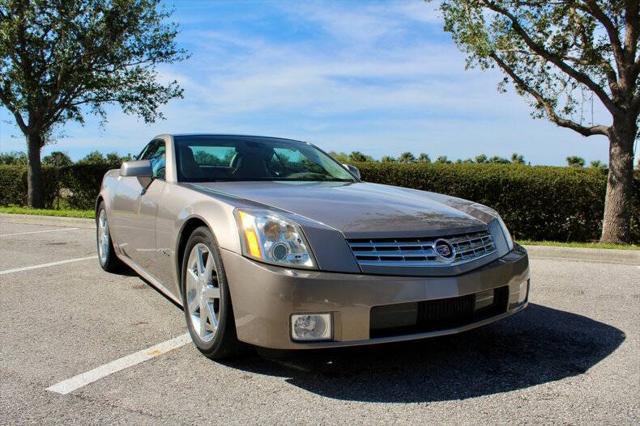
444, 249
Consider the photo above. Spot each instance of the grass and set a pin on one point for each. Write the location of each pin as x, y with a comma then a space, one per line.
594, 245
90, 214
87, 214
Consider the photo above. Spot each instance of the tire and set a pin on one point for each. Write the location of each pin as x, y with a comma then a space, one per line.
104, 245
206, 298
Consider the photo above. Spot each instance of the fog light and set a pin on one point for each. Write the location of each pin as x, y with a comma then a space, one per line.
311, 327
523, 292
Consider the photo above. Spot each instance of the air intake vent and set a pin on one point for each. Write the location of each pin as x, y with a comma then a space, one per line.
428, 252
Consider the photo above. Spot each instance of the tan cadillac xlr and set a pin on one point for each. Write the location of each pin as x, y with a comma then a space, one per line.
271, 242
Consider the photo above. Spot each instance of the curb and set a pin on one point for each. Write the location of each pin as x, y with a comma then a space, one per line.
49, 220
625, 257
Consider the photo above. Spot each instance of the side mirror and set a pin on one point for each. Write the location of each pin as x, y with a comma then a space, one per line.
353, 169
139, 168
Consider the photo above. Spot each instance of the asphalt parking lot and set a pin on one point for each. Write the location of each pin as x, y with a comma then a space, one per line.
572, 357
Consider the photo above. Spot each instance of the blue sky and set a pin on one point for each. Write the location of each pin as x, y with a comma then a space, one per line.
377, 77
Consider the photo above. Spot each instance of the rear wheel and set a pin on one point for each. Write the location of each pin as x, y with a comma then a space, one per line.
206, 299
106, 254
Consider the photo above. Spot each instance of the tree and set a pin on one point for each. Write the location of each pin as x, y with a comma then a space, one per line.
555, 53
115, 160
13, 158
94, 157
517, 158
387, 159
480, 159
358, 157
424, 158
406, 157
597, 164
57, 159
498, 160
340, 157
443, 160
60, 60
575, 161
112, 159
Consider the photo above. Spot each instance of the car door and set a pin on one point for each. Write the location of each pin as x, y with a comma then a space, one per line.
135, 207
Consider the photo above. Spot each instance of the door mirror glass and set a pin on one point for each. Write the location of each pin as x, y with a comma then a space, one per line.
353, 169
137, 168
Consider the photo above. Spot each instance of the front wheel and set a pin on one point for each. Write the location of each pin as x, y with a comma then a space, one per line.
106, 254
206, 299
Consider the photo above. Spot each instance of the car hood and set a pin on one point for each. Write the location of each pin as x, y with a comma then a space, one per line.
360, 210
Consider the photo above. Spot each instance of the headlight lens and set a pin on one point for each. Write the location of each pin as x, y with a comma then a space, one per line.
503, 227
270, 238
505, 231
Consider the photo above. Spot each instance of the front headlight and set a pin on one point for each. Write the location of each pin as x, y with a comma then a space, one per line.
498, 219
505, 231
271, 238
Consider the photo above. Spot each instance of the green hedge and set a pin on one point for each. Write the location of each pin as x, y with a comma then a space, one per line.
83, 184
13, 185
76, 186
537, 203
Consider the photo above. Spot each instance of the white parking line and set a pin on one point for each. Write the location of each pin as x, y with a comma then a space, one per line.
105, 370
46, 265
39, 232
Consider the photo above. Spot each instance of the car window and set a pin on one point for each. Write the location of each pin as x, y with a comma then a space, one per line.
155, 152
234, 158
213, 156
288, 161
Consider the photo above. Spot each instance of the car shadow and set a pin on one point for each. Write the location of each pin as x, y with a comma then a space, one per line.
536, 346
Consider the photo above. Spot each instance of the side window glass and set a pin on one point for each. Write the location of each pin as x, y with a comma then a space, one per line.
144, 151
156, 154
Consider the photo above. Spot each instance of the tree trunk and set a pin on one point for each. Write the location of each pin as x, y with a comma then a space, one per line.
616, 224
35, 189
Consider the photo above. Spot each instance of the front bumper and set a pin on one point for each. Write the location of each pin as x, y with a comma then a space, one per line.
264, 297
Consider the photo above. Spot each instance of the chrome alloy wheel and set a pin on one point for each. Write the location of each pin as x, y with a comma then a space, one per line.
103, 237
203, 292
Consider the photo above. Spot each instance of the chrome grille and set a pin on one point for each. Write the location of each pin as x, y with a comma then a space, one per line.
421, 251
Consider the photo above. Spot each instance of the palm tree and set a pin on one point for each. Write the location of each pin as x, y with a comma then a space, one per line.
424, 158
406, 157
517, 158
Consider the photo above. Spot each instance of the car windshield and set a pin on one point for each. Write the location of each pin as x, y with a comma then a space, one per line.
220, 158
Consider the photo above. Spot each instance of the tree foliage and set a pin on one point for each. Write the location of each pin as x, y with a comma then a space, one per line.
57, 159
406, 157
110, 160
359, 157
13, 158
424, 158
575, 161
555, 52
60, 59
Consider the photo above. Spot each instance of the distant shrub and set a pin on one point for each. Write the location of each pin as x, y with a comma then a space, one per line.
537, 203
